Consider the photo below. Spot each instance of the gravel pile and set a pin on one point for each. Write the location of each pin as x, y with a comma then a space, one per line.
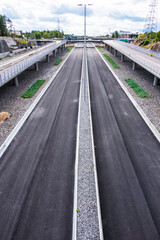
10, 96
150, 106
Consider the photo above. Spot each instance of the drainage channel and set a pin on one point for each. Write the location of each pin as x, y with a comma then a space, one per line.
87, 222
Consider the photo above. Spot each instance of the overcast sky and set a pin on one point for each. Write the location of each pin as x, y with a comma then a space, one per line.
102, 17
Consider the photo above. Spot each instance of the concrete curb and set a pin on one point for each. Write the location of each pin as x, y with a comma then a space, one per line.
74, 226
28, 112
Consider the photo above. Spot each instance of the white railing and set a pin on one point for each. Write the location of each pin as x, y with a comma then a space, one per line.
12, 71
148, 65
141, 49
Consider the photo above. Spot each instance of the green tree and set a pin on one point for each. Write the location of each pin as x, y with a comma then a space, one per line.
46, 35
116, 34
51, 34
38, 35
158, 36
27, 34
3, 27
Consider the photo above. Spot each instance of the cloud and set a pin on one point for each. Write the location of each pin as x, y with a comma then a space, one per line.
48, 19
65, 9
102, 16
10, 12
120, 16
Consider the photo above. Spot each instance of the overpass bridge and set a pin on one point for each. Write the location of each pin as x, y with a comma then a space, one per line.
146, 61
10, 69
93, 40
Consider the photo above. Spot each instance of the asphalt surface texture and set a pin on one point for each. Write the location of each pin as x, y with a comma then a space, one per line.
37, 170
128, 160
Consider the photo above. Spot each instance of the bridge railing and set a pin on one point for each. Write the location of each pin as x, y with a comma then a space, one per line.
141, 49
12, 71
144, 64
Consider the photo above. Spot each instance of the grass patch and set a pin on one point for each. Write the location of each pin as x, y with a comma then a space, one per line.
33, 89
57, 62
100, 49
114, 65
137, 88
69, 49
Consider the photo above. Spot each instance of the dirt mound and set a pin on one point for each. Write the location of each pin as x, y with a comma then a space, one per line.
3, 116
3, 46
156, 47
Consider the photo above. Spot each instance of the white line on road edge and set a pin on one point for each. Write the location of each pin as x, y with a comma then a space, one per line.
74, 227
143, 115
95, 167
28, 112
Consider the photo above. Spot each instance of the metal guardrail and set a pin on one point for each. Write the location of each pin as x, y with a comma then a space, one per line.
144, 64
12, 71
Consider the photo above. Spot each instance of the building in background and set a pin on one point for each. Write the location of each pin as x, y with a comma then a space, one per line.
127, 34
18, 32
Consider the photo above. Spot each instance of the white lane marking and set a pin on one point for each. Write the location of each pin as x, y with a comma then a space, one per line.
143, 115
28, 112
94, 162
74, 224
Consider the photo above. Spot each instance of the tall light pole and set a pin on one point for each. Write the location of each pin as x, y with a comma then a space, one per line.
85, 56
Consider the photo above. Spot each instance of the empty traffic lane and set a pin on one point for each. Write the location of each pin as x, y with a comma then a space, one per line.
37, 170
128, 160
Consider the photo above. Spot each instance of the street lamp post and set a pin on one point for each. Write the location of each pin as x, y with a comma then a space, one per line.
85, 57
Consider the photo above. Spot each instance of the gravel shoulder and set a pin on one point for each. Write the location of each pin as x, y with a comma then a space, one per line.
87, 217
10, 96
150, 106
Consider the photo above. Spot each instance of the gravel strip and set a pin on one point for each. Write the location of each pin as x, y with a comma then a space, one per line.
150, 106
87, 217
10, 96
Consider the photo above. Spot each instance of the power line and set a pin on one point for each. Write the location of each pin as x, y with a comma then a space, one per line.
151, 19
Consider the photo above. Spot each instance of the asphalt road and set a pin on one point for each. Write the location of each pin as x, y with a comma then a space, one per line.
37, 170
128, 160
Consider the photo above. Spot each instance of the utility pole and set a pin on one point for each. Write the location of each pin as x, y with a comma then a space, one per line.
151, 19
85, 55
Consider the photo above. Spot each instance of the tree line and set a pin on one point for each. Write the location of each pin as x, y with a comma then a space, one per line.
44, 34
6, 30
5, 25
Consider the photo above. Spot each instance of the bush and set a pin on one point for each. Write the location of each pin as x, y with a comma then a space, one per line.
57, 62
146, 42
137, 88
114, 65
33, 89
